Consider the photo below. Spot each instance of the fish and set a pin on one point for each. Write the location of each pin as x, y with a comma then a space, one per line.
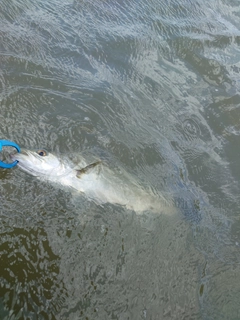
96, 180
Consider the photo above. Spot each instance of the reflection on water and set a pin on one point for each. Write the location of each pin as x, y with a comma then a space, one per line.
150, 87
29, 274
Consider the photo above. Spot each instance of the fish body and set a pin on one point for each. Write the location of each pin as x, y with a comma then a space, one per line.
96, 180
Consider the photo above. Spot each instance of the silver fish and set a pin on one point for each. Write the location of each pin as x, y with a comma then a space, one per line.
96, 180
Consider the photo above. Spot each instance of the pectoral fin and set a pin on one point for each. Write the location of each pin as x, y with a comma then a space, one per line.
87, 169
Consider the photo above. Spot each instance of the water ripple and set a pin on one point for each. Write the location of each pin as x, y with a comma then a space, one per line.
151, 87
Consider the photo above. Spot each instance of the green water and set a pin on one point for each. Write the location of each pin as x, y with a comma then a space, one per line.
151, 87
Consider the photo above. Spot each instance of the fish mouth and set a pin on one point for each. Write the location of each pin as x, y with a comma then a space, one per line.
18, 155
24, 161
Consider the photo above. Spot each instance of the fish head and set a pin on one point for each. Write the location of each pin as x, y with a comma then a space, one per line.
39, 163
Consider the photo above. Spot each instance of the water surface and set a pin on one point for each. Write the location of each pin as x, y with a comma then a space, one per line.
151, 87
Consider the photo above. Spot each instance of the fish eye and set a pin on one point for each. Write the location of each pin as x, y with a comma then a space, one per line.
42, 153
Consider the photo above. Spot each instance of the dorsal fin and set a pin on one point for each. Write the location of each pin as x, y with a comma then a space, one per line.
87, 168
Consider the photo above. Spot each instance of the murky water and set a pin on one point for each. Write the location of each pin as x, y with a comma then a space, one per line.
151, 87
